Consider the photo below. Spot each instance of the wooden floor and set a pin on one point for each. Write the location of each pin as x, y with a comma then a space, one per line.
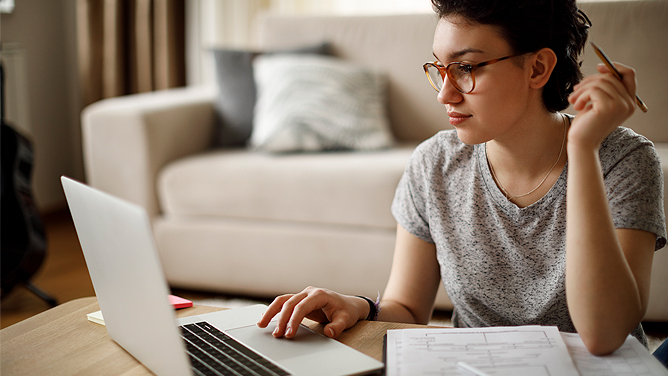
63, 274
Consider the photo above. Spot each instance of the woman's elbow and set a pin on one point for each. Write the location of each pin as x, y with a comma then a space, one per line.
603, 343
605, 337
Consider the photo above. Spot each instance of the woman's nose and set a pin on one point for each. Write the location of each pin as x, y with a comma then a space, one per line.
449, 93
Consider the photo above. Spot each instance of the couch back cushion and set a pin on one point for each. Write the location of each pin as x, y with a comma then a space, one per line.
631, 32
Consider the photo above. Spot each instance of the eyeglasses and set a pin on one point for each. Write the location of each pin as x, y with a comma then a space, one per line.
460, 74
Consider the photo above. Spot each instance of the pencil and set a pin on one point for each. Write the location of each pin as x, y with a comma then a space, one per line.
604, 58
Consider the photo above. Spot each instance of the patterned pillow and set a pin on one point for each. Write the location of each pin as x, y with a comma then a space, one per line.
236, 86
314, 103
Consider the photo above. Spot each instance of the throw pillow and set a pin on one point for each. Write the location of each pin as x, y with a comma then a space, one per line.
314, 103
236, 87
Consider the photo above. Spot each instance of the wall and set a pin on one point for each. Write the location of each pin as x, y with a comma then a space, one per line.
46, 31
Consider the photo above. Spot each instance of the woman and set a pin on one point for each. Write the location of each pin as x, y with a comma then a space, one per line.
527, 215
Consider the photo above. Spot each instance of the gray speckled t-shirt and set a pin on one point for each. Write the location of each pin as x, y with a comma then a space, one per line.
505, 265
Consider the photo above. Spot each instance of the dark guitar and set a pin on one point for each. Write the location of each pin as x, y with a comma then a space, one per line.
23, 237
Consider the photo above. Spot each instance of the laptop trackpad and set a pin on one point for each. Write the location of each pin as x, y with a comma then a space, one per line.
306, 342
308, 353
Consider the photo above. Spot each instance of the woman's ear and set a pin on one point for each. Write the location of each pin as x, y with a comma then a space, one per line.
542, 65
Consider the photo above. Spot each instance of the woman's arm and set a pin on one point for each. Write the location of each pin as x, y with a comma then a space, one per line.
409, 295
607, 269
411, 290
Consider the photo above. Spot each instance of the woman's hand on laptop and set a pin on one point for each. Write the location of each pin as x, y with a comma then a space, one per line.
338, 311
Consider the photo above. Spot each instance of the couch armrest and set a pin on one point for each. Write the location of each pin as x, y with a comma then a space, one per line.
127, 140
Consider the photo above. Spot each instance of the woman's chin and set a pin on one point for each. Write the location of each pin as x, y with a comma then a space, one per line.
468, 137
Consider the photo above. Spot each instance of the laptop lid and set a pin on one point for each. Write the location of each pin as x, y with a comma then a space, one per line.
117, 242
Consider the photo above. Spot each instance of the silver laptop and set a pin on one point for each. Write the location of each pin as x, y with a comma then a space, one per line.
118, 245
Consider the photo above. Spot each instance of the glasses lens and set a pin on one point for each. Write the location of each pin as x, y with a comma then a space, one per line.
435, 77
461, 75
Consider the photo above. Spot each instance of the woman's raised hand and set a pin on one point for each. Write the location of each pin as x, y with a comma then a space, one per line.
324, 306
603, 103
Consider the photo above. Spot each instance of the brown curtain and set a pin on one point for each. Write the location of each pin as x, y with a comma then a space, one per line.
130, 46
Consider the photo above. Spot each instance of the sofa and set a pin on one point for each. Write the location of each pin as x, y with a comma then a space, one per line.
240, 220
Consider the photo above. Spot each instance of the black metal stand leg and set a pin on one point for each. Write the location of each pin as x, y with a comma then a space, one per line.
36, 290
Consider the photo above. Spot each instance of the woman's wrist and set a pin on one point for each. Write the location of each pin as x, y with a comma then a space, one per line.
373, 309
362, 307
579, 153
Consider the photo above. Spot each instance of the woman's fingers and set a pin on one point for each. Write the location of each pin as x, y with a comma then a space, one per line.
628, 76
272, 310
603, 102
607, 84
335, 328
311, 306
341, 320
606, 90
603, 99
324, 306
292, 309
287, 315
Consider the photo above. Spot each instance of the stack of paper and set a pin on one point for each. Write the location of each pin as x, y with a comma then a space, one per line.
630, 359
176, 302
511, 351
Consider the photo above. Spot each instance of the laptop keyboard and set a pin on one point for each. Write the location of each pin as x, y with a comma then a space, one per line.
213, 352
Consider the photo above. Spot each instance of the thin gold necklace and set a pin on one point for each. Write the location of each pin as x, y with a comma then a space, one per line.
508, 195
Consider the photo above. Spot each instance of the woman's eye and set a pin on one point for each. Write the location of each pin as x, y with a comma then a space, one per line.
465, 68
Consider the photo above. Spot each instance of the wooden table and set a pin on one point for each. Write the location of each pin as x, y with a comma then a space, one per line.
61, 341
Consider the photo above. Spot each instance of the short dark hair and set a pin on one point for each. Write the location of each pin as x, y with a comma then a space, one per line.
530, 25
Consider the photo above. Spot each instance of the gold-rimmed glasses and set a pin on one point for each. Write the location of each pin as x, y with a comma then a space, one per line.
460, 73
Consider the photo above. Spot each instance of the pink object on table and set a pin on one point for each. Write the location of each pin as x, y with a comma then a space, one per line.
179, 302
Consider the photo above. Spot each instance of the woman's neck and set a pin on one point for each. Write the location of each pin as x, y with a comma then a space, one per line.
521, 159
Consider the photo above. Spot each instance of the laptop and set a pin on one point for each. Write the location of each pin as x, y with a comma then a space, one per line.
119, 248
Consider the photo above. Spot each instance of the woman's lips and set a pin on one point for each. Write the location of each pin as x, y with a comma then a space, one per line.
456, 118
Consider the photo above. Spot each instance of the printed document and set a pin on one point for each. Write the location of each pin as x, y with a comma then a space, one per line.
509, 351
630, 359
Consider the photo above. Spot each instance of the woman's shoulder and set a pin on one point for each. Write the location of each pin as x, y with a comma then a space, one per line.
625, 137
444, 151
442, 146
625, 143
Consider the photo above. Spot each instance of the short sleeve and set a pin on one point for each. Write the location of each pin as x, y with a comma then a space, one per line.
410, 200
634, 185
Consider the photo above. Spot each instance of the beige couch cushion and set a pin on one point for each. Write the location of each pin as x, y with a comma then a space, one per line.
341, 188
